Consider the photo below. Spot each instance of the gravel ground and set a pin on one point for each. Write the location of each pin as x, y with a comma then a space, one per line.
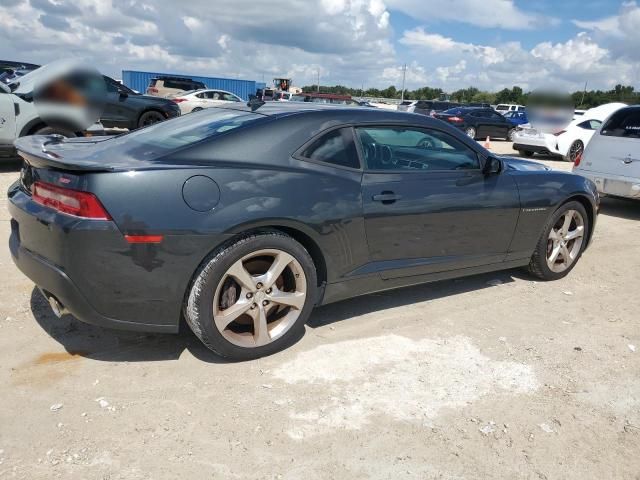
490, 377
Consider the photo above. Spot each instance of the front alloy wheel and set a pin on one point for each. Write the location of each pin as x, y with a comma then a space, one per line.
561, 243
565, 241
575, 150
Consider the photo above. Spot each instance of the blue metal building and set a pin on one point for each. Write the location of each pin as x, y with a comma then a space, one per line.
140, 81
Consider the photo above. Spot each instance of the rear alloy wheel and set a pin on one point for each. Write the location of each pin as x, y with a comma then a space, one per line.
575, 150
149, 118
562, 242
251, 299
470, 132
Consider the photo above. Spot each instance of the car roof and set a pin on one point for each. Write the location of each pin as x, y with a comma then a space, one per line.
338, 113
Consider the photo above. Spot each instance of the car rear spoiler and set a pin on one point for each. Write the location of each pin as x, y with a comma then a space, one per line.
39, 151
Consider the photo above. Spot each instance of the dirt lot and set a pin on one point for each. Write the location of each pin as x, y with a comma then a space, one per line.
494, 376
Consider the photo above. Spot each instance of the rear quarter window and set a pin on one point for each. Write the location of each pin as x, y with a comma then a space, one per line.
623, 123
336, 147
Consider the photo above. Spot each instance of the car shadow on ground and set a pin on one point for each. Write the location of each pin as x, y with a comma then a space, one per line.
107, 345
620, 207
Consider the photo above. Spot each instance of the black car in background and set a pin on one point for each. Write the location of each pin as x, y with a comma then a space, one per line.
426, 107
242, 219
10, 70
478, 122
125, 108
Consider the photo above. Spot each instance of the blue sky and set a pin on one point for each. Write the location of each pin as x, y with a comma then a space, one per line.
450, 44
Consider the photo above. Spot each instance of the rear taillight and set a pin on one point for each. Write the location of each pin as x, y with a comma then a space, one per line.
578, 159
71, 202
152, 90
455, 119
178, 100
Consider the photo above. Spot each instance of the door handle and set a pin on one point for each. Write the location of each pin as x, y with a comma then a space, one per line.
386, 197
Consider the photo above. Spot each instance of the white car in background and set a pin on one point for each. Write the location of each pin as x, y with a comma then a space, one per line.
612, 158
568, 142
196, 100
509, 107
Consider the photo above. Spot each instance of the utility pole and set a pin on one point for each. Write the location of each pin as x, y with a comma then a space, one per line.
404, 74
583, 94
318, 85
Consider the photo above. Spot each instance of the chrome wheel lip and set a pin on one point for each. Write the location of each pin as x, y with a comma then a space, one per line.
471, 132
260, 298
565, 240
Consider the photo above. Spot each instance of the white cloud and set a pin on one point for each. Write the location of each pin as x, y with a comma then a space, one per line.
619, 33
502, 14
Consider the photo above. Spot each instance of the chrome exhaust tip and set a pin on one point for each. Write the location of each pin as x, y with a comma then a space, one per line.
58, 309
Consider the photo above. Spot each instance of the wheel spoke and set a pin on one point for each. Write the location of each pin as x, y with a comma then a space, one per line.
240, 273
290, 299
280, 262
260, 327
567, 222
225, 317
554, 255
577, 233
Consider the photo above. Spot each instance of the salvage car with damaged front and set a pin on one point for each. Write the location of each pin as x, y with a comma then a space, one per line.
242, 219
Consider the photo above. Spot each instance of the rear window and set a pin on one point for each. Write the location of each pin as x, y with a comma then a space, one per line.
623, 123
164, 137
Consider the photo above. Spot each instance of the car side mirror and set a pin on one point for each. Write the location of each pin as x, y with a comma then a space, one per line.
492, 166
123, 94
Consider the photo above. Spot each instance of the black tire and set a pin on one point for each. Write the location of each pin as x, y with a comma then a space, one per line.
198, 310
149, 118
55, 131
538, 264
197, 109
526, 153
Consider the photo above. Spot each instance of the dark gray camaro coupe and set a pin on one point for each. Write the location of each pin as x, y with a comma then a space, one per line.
243, 219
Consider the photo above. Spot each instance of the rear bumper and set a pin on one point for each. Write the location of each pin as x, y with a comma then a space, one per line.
614, 185
522, 147
54, 281
83, 269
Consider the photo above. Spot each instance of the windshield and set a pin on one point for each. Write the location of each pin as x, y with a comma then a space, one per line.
165, 137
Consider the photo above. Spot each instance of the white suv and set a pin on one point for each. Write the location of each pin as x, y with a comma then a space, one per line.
19, 116
612, 158
509, 107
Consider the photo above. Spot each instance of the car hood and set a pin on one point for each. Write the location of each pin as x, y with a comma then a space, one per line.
513, 163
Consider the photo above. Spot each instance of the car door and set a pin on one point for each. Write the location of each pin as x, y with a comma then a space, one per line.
427, 205
7, 119
478, 119
118, 110
499, 125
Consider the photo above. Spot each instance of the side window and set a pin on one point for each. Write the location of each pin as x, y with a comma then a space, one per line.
229, 98
495, 116
336, 147
623, 123
407, 148
201, 95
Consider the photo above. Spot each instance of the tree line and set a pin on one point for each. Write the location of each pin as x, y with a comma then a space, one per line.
581, 99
